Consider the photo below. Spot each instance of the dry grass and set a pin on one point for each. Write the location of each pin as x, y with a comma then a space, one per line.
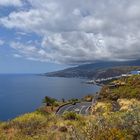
103, 125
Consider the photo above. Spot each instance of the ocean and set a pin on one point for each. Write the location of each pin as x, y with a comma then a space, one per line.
20, 93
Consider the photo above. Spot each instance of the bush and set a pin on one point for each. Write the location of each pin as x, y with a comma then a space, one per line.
88, 98
70, 116
63, 129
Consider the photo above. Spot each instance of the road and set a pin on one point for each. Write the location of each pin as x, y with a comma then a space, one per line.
80, 108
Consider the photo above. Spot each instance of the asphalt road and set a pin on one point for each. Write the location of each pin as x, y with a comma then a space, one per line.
80, 108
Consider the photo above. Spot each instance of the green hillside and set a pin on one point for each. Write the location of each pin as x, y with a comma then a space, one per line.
126, 87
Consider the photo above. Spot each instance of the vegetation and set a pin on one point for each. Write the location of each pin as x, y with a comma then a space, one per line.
116, 116
50, 102
96, 70
103, 124
88, 98
128, 87
70, 116
73, 101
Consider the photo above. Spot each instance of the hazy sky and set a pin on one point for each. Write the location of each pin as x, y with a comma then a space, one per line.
45, 35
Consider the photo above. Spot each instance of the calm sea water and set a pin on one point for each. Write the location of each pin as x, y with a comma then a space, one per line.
24, 93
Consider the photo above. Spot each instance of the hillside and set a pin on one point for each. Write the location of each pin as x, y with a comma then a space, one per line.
98, 70
126, 87
110, 118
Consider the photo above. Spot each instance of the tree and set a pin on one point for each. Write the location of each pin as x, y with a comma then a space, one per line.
49, 101
63, 100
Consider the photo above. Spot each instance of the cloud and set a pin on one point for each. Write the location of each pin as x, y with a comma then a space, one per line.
17, 55
10, 3
74, 32
1, 42
30, 52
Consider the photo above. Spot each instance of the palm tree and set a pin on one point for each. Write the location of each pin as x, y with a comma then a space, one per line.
49, 101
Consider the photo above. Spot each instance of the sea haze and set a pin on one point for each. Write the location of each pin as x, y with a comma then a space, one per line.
24, 93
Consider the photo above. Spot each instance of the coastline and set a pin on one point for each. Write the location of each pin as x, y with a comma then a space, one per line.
26, 92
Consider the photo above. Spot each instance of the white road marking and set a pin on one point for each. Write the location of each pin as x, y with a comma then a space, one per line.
82, 109
87, 110
76, 109
68, 108
62, 109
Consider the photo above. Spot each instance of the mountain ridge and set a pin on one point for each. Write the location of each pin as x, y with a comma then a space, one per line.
97, 70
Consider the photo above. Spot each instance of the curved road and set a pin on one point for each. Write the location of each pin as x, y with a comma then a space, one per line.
80, 108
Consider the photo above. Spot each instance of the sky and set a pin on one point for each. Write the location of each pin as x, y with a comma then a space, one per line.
45, 35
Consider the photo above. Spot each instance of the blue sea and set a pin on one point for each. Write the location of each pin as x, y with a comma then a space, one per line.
21, 93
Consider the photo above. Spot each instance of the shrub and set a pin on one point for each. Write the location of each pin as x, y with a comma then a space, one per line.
63, 129
88, 98
70, 116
